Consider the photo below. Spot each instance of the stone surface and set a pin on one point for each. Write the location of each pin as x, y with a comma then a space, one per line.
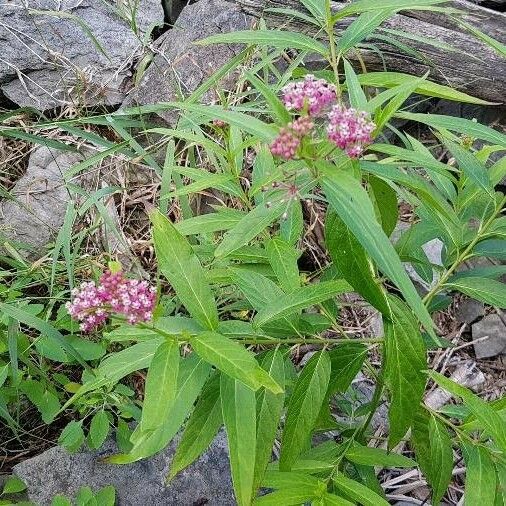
35, 215
206, 481
493, 327
181, 66
469, 311
50, 60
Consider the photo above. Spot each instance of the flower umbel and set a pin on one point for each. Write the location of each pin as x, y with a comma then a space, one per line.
92, 304
285, 145
350, 129
315, 94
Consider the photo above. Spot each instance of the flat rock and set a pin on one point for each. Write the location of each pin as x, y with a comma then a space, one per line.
469, 311
180, 66
494, 329
33, 218
52, 59
206, 481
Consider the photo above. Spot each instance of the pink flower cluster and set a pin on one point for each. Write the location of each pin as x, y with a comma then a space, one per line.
285, 145
315, 94
92, 304
350, 130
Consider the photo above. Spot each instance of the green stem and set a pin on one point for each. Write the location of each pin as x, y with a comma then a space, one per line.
464, 255
376, 396
334, 57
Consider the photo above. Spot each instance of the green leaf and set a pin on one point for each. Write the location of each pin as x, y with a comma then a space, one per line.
294, 496
239, 415
385, 201
357, 491
403, 92
487, 290
489, 420
361, 28
72, 436
233, 359
316, 8
293, 225
372, 5
428, 88
352, 204
181, 267
201, 427
106, 496
358, 100
352, 262
368, 456
346, 360
283, 259
60, 500
13, 485
268, 409
193, 373
480, 476
441, 456
44, 399
405, 362
495, 248
271, 38
44, 328
471, 167
460, 125
493, 43
276, 106
334, 500
303, 408
301, 298
99, 429
160, 387
255, 222
500, 496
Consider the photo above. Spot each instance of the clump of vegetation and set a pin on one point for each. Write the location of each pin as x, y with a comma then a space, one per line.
237, 293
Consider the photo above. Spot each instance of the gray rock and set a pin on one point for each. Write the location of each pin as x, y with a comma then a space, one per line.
492, 327
206, 481
181, 66
36, 213
470, 310
50, 60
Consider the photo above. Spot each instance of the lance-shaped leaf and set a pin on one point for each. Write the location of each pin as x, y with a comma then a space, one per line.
441, 456
301, 298
181, 267
481, 479
269, 407
233, 359
351, 202
489, 291
488, 419
303, 408
357, 491
238, 404
283, 260
405, 362
193, 373
161, 385
352, 262
251, 225
201, 428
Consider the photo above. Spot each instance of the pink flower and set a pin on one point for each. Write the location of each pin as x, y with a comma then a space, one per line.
285, 145
315, 94
350, 130
92, 304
